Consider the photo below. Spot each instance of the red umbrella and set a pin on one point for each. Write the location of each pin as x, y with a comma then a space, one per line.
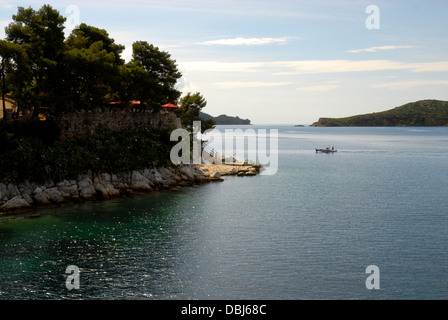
133, 102
170, 106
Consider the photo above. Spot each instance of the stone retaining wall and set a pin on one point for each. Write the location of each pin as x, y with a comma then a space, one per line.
82, 123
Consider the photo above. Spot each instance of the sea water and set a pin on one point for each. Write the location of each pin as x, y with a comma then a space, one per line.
309, 231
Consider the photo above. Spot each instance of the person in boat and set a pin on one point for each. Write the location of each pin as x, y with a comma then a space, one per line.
332, 148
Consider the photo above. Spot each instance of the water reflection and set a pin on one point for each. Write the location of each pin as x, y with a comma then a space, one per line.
307, 232
124, 248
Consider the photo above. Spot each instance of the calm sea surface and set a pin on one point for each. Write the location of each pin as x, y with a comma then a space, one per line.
307, 232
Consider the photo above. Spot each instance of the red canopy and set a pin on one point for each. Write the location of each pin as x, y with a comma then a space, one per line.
133, 102
170, 106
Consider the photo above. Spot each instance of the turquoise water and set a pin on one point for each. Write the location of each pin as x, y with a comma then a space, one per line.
307, 232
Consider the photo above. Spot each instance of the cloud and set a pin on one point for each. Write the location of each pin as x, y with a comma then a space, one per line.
297, 67
127, 53
184, 84
431, 66
410, 84
335, 66
321, 88
340, 66
7, 4
217, 66
375, 49
246, 41
250, 84
3, 25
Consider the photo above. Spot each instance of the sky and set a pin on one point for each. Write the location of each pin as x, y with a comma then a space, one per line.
282, 61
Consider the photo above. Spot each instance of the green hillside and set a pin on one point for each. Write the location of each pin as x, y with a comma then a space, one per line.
225, 119
423, 113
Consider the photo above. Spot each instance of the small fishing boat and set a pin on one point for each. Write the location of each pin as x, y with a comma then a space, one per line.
327, 150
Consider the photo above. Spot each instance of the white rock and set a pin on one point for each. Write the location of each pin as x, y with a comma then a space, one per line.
107, 177
28, 199
49, 184
112, 191
187, 171
18, 202
25, 188
86, 189
141, 186
169, 178
54, 195
2, 190
155, 176
37, 190
198, 173
120, 186
137, 176
64, 183
40, 197
101, 189
11, 191
167, 174
69, 192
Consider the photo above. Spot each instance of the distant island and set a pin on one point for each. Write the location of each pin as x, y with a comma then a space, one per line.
423, 113
224, 119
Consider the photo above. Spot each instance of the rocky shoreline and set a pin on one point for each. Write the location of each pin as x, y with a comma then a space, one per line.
98, 186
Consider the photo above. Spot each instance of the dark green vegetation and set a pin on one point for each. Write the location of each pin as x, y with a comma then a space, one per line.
191, 106
31, 151
420, 113
44, 72
225, 119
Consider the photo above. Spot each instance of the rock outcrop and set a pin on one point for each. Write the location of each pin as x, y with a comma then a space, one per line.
239, 169
91, 186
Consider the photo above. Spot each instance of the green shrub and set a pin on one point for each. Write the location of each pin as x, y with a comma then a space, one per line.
39, 158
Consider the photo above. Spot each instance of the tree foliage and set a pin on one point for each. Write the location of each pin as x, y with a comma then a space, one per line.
27, 156
44, 72
10, 53
161, 73
191, 107
41, 35
419, 113
91, 64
